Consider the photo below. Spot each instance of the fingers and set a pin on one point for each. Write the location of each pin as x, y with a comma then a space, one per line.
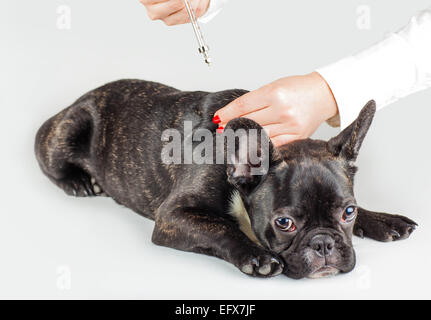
277, 129
281, 134
149, 2
173, 12
162, 10
199, 7
179, 17
284, 139
264, 116
250, 102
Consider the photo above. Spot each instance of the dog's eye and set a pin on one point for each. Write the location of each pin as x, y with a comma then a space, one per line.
285, 224
349, 214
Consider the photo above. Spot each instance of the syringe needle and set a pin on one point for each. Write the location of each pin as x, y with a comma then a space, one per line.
203, 48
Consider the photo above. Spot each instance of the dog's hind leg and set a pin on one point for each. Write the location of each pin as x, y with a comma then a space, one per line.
63, 147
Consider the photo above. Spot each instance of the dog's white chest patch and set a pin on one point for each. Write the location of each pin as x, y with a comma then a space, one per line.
238, 211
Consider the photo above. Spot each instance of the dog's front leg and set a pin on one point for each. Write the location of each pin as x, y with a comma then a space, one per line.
382, 226
193, 230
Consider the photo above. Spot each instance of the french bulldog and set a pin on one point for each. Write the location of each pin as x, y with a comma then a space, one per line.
296, 217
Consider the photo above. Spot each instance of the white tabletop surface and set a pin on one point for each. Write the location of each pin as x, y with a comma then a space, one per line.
56, 246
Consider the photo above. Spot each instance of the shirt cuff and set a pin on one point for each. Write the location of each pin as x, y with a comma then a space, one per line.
214, 9
385, 72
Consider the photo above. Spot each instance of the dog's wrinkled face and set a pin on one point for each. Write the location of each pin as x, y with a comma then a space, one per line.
304, 208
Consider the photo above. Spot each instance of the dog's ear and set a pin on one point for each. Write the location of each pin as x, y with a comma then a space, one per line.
249, 154
349, 141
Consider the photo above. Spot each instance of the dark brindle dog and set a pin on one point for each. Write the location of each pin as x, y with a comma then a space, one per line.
297, 218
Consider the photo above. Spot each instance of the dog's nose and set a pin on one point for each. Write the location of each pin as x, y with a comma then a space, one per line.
322, 244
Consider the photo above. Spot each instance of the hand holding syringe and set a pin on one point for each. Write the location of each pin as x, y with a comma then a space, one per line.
174, 12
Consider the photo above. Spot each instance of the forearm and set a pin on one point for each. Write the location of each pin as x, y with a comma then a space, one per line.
388, 71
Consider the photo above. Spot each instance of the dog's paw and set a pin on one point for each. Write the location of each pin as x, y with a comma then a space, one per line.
77, 185
264, 265
97, 189
80, 184
384, 227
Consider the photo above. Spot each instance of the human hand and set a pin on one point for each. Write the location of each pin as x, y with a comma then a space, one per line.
173, 12
288, 109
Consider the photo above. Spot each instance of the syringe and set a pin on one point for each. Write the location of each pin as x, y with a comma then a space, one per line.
203, 48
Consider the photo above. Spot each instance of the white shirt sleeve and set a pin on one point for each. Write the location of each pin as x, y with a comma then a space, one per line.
214, 9
386, 72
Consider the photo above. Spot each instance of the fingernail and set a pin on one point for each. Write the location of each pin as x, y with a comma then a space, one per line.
220, 130
216, 119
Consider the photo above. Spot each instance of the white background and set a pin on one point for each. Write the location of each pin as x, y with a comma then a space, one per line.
48, 238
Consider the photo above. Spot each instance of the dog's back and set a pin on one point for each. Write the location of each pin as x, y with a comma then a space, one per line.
109, 140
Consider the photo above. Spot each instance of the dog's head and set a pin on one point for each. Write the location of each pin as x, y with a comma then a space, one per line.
302, 206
